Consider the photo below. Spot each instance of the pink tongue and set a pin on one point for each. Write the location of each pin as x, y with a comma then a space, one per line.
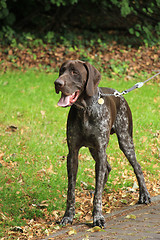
64, 101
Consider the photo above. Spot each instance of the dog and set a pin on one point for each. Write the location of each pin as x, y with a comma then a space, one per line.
95, 113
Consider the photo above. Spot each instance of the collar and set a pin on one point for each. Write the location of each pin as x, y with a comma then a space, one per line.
98, 98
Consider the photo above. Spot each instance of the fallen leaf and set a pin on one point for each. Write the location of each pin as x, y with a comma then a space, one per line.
86, 238
131, 216
144, 138
133, 203
50, 169
17, 229
89, 221
1, 155
11, 128
56, 227
2, 217
95, 229
42, 205
155, 190
72, 232
46, 232
124, 201
55, 214
134, 188
108, 211
87, 218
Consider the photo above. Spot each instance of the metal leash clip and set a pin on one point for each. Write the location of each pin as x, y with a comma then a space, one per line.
117, 94
139, 85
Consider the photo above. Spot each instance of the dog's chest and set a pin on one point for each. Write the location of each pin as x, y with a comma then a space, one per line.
94, 121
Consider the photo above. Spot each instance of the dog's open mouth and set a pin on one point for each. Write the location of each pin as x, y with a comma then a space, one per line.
68, 100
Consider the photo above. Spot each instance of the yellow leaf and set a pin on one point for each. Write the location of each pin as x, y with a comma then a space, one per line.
47, 232
56, 227
89, 221
72, 231
95, 229
131, 216
133, 203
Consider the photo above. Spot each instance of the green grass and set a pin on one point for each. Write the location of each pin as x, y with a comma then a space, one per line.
33, 165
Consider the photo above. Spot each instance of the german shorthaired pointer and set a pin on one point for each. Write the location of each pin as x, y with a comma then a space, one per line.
95, 114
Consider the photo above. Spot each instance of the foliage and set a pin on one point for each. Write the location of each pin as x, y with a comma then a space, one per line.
139, 18
111, 58
145, 18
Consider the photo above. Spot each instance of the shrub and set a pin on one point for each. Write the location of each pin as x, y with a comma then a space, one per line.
139, 18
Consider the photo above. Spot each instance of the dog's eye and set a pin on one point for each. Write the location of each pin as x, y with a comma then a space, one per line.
62, 70
73, 72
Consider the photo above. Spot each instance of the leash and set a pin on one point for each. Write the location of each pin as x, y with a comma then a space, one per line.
118, 94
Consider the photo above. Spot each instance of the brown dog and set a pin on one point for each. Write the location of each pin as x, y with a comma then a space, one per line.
95, 114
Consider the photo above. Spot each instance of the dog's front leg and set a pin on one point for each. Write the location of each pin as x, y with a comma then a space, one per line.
72, 166
102, 169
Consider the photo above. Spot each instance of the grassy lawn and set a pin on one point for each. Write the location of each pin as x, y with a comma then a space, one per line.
33, 177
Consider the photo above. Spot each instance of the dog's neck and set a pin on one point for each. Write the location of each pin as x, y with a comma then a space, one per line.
85, 102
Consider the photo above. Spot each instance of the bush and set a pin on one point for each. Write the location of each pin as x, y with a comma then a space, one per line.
138, 18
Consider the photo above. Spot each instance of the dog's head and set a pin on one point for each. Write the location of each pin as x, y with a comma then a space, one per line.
75, 77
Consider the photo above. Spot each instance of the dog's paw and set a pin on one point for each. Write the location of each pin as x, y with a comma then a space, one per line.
99, 221
144, 198
66, 220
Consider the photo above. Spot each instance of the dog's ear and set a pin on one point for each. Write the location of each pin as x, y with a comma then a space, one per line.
93, 79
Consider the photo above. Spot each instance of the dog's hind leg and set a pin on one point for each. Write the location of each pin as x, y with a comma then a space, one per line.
127, 146
123, 129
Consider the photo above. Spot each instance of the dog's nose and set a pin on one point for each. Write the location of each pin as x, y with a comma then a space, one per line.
59, 83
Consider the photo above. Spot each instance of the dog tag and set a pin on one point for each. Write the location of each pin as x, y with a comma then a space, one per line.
100, 101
